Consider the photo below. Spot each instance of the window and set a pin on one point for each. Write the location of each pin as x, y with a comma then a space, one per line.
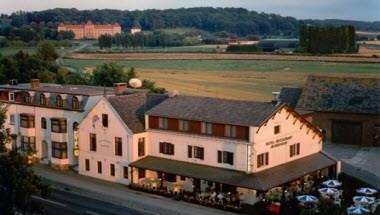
294, 149
43, 123
58, 101
42, 99
125, 172
162, 123
28, 144
99, 167
230, 131
27, 98
262, 159
59, 150
75, 103
93, 142
59, 125
226, 157
87, 165
206, 128
11, 97
189, 151
105, 120
26, 121
112, 169
141, 173
183, 125
12, 119
118, 146
141, 146
166, 148
199, 152
276, 129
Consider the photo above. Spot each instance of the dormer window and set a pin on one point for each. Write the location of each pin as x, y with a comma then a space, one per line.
75, 103
27, 98
59, 101
42, 99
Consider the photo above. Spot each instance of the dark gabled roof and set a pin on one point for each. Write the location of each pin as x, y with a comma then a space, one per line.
290, 96
62, 88
132, 107
337, 94
262, 180
215, 110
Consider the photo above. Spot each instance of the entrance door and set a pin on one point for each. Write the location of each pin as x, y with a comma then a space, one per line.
44, 152
346, 132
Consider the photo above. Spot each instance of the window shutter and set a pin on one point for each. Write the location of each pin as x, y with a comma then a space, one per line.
171, 149
161, 147
298, 148
266, 158
219, 156
189, 151
201, 153
230, 158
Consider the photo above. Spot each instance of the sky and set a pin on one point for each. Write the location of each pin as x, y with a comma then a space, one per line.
365, 10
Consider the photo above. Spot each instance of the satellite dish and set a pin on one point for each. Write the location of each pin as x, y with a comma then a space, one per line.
135, 83
173, 93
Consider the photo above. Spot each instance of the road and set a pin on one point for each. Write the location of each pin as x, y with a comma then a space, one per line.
67, 203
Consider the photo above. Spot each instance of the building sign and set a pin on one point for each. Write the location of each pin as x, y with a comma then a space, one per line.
76, 143
278, 142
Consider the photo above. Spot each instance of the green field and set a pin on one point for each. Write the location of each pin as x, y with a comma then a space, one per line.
236, 79
13, 50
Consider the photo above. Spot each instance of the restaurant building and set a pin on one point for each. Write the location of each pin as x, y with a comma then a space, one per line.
229, 146
346, 109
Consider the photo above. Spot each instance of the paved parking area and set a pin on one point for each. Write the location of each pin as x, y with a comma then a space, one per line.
360, 162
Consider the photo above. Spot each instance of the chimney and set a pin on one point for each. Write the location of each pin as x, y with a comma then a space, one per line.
13, 82
120, 88
275, 98
35, 83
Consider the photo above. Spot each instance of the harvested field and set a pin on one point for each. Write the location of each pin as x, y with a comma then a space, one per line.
220, 56
235, 79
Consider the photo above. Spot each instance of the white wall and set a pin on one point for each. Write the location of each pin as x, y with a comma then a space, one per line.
211, 146
105, 138
46, 134
310, 143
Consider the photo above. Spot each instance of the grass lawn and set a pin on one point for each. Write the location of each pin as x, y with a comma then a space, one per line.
236, 79
13, 50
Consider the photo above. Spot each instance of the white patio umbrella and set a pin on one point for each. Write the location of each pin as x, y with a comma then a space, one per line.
357, 210
332, 183
364, 199
366, 191
307, 199
328, 190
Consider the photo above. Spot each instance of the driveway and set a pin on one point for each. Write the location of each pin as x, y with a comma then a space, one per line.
360, 162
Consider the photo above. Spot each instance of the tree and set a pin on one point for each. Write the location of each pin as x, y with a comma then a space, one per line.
46, 51
105, 41
65, 35
107, 74
18, 182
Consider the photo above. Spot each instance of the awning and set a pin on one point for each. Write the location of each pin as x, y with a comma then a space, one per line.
263, 180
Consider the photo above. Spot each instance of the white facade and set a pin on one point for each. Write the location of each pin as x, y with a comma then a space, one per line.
45, 137
105, 141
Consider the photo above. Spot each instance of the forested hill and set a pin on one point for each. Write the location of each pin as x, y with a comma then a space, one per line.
239, 21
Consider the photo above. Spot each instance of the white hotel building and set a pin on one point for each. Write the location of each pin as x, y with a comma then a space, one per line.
132, 137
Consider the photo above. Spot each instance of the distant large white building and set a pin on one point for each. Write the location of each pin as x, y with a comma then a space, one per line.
133, 137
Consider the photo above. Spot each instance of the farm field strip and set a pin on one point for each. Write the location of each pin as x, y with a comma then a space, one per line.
219, 56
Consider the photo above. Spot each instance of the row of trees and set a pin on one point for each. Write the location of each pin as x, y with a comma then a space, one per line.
325, 40
238, 21
149, 39
43, 65
35, 32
